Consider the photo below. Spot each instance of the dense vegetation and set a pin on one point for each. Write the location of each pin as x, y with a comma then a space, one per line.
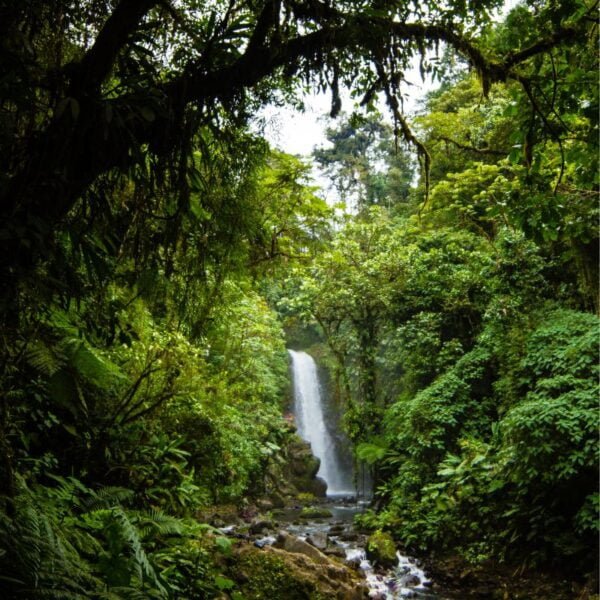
153, 250
465, 343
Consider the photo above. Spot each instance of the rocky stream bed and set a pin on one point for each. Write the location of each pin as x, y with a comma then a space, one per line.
315, 553
349, 565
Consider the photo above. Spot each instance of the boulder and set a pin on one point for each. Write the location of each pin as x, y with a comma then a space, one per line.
381, 549
353, 563
301, 459
336, 529
316, 486
261, 526
410, 581
278, 574
264, 504
315, 512
294, 473
290, 543
303, 468
336, 551
318, 539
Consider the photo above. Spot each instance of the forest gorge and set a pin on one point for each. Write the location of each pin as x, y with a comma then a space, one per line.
157, 257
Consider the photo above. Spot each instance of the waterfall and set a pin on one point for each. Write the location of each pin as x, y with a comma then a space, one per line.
311, 414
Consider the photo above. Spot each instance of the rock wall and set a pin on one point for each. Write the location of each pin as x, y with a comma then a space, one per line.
293, 472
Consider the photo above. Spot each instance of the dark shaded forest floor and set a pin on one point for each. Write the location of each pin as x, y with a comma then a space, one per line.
505, 582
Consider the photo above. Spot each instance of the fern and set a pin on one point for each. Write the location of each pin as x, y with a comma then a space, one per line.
64, 542
47, 361
37, 553
156, 522
108, 496
91, 365
144, 570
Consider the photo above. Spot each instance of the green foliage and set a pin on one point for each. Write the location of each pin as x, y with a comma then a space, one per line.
142, 366
365, 165
381, 548
370, 452
167, 379
473, 397
491, 480
68, 541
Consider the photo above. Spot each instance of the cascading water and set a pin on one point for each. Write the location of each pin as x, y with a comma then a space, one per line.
310, 413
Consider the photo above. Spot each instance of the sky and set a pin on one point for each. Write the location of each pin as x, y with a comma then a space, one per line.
299, 132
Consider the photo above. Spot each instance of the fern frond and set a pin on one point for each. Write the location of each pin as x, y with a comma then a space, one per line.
158, 523
44, 359
107, 497
91, 365
130, 534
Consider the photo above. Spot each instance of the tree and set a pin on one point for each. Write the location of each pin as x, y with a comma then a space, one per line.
365, 164
98, 90
487, 176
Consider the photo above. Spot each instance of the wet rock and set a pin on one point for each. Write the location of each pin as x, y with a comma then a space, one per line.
349, 536
315, 512
265, 541
318, 487
301, 459
291, 543
336, 551
261, 526
336, 530
294, 473
410, 581
318, 539
353, 563
277, 574
265, 504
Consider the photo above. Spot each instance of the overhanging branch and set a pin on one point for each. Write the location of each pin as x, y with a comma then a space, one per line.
97, 63
73, 151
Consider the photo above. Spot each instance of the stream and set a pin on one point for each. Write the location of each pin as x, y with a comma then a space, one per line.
318, 424
407, 580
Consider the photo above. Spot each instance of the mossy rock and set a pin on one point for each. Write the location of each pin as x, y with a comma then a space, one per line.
266, 575
271, 574
306, 498
315, 512
381, 549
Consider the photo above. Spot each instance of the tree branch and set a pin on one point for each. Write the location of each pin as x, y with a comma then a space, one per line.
489, 151
561, 35
100, 58
66, 157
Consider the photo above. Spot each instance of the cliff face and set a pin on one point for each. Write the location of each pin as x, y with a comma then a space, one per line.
294, 472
